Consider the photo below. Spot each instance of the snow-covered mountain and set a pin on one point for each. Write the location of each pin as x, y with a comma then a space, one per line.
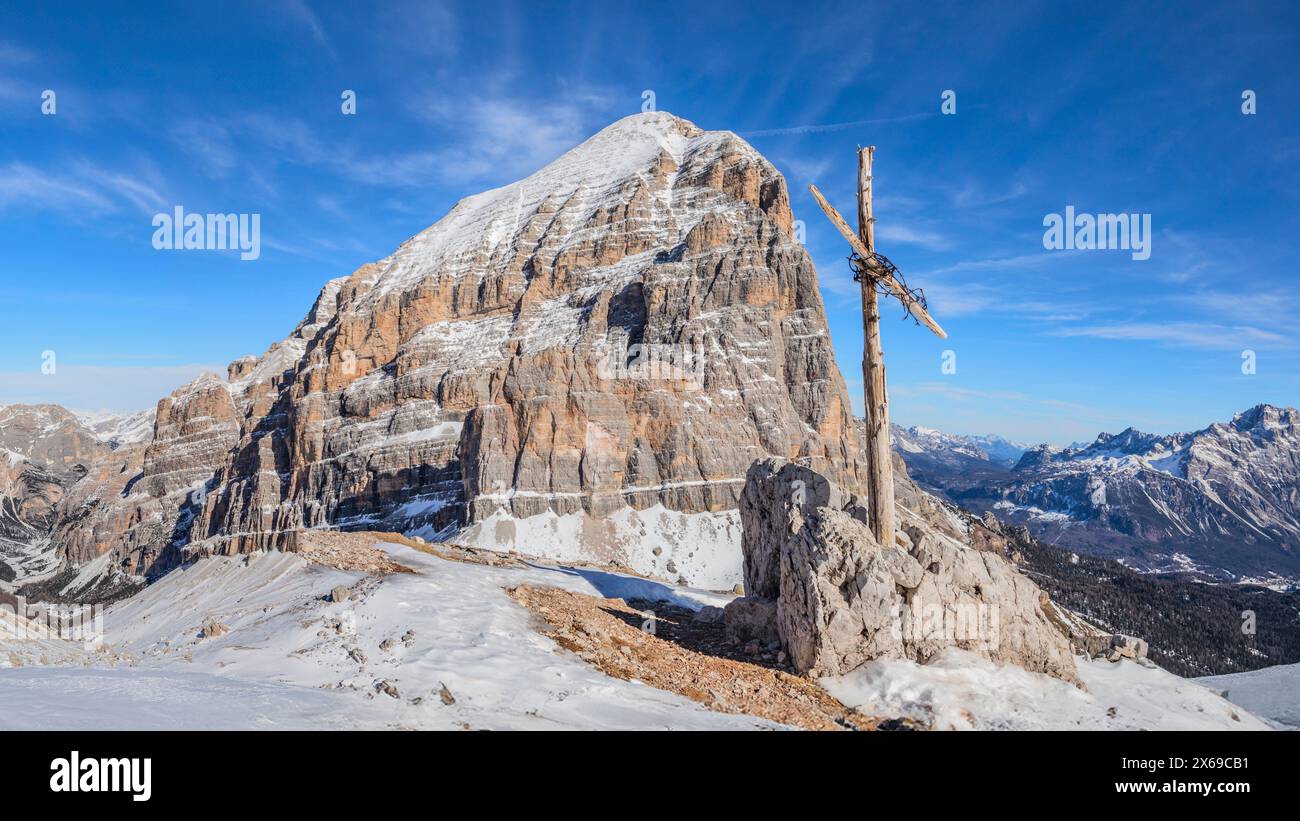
987, 448
1222, 502
581, 368
581, 364
116, 429
936, 459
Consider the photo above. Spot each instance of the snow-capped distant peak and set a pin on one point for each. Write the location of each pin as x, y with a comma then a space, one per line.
116, 428
1221, 497
986, 447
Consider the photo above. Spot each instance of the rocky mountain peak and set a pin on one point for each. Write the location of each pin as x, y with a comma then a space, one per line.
1266, 418
1129, 441
49, 435
583, 363
566, 203
1035, 457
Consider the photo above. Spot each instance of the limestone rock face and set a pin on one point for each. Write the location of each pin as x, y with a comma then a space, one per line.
56, 467
92, 515
843, 599
580, 364
48, 435
140, 494
195, 428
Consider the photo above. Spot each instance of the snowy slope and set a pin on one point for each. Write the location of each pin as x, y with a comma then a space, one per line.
282, 666
1272, 693
961, 691
590, 176
291, 660
115, 429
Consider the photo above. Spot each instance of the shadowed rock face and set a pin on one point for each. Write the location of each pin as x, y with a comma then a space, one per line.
51, 461
582, 364
837, 598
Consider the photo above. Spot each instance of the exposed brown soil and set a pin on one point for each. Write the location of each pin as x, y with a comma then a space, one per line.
356, 550
680, 626
349, 551
608, 634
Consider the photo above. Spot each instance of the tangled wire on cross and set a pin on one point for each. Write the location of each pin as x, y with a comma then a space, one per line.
881, 265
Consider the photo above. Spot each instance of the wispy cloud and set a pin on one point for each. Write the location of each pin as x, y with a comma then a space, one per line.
481, 137
1019, 261
32, 188
959, 392
428, 28
1183, 334
490, 136
1251, 304
302, 14
12, 53
209, 142
76, 186
912, 236
1017, 415
799, 170
143, 196
975, 195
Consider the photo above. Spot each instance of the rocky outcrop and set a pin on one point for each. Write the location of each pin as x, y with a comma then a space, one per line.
139, 498
842, 599
57, 468
196, 427
29, 497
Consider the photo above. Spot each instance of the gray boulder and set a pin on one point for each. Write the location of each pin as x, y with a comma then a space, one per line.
838, 598
750, 618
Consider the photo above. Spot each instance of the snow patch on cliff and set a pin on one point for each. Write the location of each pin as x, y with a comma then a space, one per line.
699, 549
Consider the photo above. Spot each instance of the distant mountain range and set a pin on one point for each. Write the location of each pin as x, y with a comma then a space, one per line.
1221, 503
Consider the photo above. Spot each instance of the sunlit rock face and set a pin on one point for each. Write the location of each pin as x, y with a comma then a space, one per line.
582, 364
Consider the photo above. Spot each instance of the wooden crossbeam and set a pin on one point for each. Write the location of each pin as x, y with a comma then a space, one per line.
879, 274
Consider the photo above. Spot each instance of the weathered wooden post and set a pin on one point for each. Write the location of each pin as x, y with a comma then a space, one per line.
880, 467
875, 272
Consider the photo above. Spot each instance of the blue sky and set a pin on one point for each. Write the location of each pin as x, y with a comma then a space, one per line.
1110, 108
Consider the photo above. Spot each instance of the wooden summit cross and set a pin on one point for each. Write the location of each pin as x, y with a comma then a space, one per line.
876, 273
